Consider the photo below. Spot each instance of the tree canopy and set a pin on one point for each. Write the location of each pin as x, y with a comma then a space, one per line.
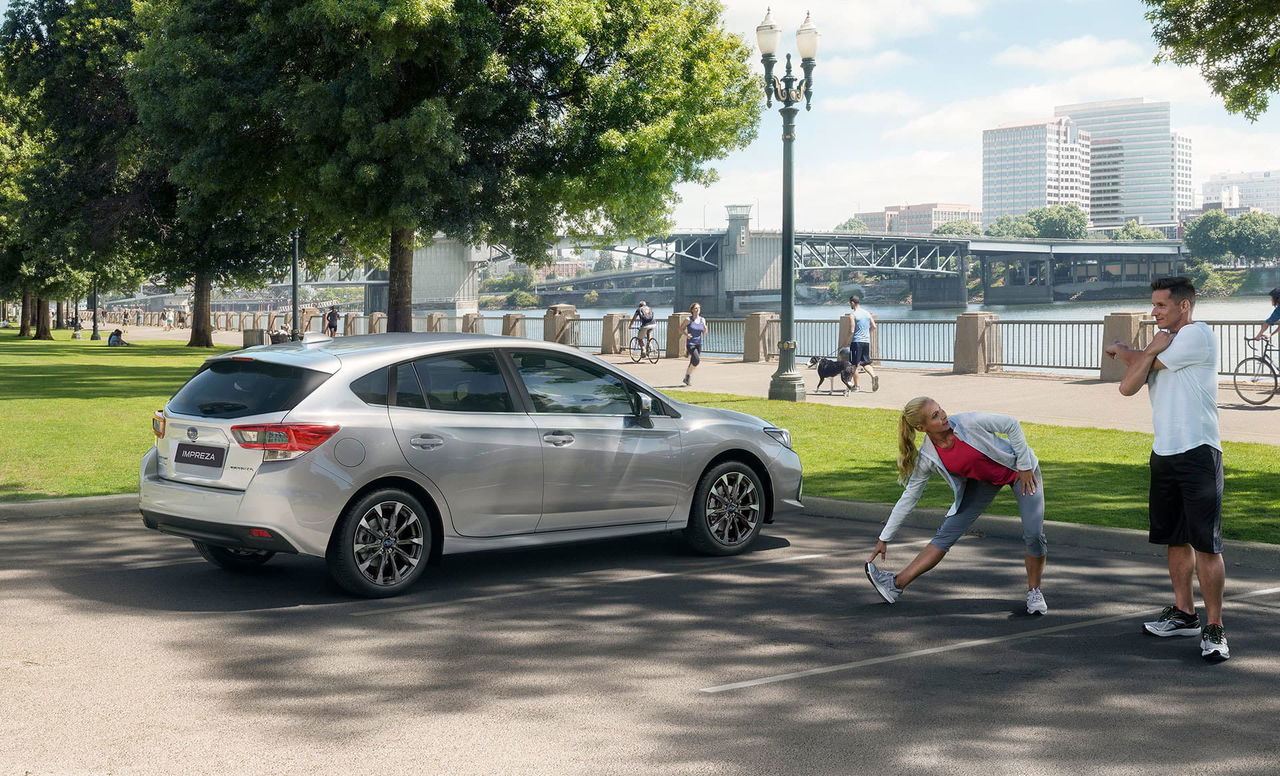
1250, 236
1234, 43
1059, 222
852, 224
1014, 227
1132, 230
961, 226
498, 122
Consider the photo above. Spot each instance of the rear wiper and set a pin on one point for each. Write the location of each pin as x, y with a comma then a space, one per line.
216, 407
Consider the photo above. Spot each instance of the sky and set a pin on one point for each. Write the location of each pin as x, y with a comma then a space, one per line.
904, 88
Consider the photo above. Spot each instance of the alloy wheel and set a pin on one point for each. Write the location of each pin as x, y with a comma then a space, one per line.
388, 542
733, 508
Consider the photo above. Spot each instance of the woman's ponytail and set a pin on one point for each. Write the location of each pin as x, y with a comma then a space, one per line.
907, 423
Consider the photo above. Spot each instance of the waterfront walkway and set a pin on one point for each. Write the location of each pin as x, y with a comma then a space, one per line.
1030, 397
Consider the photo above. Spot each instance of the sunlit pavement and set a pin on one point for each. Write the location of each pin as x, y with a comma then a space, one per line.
124, 653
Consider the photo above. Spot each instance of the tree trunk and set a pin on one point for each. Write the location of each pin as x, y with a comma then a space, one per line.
201, 321
400, 283
42, 320
60, 316
24, 318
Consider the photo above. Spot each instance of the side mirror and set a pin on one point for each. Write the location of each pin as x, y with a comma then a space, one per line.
644, 405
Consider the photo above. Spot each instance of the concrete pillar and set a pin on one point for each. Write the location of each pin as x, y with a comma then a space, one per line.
1126, 328
513, 325
675, 334
753, 336
614, 336
435, 322
846, 331
349, 324
557, 324
473, 323
977, 344
246, 321
273, 321
255, 337
378, 323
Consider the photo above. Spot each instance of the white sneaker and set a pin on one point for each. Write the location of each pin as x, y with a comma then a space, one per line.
1035, 602
883, 582
1213, 644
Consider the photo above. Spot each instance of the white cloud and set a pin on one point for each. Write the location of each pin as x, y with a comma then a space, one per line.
850, 24
1216, 149
1083, 53
893, 103
847, 70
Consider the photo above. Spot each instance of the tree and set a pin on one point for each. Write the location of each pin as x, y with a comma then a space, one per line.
500, 122
1132, 230
1059, 222
852, 224
604, 262
1235, 43
1253, 235
1013, 227
1207, 236
962, 227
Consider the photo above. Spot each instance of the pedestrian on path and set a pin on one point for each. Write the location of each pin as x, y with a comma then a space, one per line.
969, 453
331, 322
1273, 319
1179, 368
694, 328
860, 343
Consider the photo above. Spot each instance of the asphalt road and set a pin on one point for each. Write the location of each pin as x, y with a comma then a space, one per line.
121, 652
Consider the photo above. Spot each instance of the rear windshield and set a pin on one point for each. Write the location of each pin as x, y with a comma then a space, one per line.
235, 389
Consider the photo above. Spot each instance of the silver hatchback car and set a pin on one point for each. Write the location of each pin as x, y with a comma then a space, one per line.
381, 453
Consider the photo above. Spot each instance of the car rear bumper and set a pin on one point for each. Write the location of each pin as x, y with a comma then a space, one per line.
219, 534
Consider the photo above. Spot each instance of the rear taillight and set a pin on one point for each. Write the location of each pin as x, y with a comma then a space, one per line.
282, 441
157, 424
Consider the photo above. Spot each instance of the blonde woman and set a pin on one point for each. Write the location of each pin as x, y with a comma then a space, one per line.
694, 328
977, 453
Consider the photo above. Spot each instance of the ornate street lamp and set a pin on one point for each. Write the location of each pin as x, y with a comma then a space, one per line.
787, 383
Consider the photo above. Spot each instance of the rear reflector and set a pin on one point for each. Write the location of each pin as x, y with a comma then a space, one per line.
157, 424
291, 437
260, 533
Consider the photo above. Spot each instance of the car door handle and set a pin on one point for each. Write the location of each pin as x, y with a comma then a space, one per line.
558, 438
426, 442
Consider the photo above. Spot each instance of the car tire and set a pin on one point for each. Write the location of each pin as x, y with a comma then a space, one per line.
381, 544
729, 506
233, 558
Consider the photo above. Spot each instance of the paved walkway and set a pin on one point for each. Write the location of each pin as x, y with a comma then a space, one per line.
1031, 397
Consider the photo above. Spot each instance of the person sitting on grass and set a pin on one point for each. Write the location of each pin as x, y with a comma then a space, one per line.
116, 340
977, 453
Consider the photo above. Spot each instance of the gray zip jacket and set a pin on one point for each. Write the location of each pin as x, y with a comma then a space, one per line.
979, 430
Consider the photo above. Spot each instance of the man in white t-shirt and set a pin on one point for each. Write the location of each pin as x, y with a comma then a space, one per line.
1180, 368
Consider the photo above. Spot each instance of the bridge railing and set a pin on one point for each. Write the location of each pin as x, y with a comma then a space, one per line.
1229, 334
724, 336
1046, 344
916, 342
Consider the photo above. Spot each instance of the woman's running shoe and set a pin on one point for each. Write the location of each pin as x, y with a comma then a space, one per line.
883, 582
1035, 602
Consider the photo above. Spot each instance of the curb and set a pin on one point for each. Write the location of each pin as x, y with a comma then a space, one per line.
68, 507
1092, 537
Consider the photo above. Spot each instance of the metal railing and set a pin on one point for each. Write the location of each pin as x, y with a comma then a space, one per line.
1229, 335
1045, 344
588, 333
916, 342
723, 337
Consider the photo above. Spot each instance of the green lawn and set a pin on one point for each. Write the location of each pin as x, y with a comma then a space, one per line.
75, 419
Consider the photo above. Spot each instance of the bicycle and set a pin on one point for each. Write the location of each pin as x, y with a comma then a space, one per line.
638, 350
1256, 378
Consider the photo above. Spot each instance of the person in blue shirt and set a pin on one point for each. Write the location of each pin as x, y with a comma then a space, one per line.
1274, 319
695, 327
860, 343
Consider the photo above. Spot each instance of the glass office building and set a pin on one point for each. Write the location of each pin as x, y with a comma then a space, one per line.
1026, 166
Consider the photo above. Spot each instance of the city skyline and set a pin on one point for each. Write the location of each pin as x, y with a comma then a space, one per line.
903, 92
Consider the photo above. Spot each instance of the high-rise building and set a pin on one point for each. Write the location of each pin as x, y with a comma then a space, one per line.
1141, 169
1027, 166
1245, 189
879, 220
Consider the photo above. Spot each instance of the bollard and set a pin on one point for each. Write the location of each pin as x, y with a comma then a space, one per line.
557, 324
976, 346
614, 337
1125, 327
513, 325
753, 336
676, 335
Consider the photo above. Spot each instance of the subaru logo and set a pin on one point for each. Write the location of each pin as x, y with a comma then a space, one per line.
193, 433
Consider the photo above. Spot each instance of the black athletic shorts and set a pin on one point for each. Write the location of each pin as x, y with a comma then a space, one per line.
860, 353
1186, 498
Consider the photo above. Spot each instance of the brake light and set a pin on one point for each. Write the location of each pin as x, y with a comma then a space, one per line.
157, 424
282, 441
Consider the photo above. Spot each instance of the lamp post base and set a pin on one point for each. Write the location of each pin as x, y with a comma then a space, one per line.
786, 386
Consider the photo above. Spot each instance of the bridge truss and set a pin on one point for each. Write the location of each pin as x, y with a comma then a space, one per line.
866, 252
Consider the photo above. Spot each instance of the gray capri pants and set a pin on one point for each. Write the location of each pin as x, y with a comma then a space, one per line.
978, 495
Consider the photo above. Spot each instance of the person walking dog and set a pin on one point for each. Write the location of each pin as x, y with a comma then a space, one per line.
966, 450
860, 343
694, 328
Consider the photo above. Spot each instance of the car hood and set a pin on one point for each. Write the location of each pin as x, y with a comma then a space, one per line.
716, 413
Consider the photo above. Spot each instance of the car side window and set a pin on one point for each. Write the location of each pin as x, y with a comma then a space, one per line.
465, 382
372, 388
408, 392
559, 383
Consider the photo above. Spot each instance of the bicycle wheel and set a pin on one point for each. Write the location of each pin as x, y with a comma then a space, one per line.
1255, 380
654, 354
635, 350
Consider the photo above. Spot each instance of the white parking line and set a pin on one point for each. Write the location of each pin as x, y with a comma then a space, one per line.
952, 647
710, 569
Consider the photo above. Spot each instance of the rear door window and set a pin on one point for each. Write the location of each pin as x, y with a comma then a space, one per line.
408, 392
237, 389
465, 382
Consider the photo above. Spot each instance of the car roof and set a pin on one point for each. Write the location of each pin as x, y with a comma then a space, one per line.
370, 350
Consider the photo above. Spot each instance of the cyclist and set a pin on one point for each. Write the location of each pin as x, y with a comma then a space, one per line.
644, 314
1274, 320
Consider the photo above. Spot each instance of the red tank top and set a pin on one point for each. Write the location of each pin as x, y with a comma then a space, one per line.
963, 460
